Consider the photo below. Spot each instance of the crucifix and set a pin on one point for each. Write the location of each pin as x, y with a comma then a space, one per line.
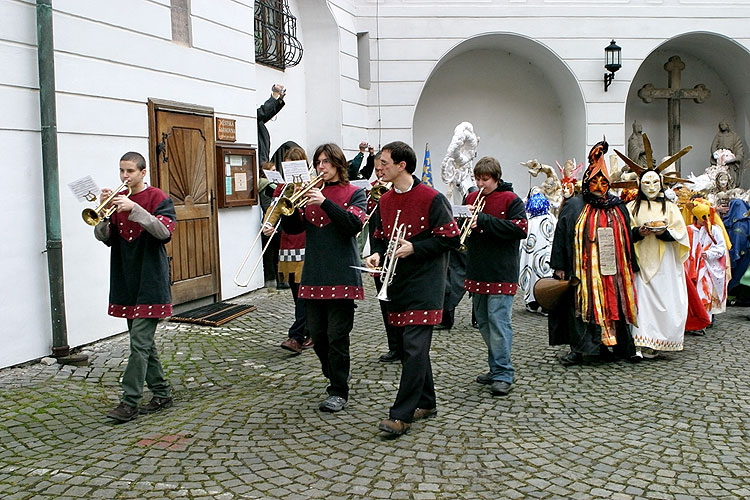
673, 94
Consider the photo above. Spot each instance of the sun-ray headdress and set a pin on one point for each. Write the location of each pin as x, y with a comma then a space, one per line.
668, 178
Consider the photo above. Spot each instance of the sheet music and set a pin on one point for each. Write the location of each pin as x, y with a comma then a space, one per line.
295, 171
85, 189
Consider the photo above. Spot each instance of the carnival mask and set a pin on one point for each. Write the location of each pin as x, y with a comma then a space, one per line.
650, 185
598, 186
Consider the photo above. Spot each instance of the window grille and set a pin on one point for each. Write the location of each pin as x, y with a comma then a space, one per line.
276, 42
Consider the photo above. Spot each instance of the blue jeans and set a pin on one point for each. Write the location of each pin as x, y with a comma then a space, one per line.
493, 317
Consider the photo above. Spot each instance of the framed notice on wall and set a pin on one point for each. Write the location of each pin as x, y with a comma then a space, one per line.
237, 184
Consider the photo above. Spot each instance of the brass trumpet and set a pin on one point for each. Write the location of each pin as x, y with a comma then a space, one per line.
93, 216
288, 204
476, 209
388, 265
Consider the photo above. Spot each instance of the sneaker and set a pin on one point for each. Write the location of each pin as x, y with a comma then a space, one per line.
571, 359
123, 413
308, 343
292, 345
333, 404
395, 427
421, 413
500, 388
484, 379
156, 404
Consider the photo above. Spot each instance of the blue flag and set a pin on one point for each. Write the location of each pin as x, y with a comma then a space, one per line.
427, 167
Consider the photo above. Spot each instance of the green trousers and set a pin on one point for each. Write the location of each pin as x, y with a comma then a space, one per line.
143, 363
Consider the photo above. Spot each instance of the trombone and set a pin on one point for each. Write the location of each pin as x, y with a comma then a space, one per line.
289, 203
476, 209
93, 216
272, 218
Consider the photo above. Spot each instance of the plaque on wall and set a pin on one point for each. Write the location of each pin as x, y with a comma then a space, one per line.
226, 129
238, 183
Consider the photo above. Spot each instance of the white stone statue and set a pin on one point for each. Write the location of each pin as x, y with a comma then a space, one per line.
457, 169
551, 187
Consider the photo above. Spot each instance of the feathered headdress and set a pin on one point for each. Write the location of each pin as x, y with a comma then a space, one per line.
640, 170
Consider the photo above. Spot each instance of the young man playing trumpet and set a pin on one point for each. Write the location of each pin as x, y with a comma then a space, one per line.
415, 296
332, 216
492, 267
139, 281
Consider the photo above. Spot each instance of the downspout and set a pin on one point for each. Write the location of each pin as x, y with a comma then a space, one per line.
45, 57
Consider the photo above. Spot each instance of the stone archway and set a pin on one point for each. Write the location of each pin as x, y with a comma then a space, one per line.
522, 99
712, 59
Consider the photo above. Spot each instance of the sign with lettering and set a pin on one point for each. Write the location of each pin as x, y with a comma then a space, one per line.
226, 129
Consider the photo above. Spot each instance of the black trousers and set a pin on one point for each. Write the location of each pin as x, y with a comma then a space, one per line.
416, 388
395, 338
329, 322
298, 330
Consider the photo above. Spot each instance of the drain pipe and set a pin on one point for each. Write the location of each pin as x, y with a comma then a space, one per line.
45, 57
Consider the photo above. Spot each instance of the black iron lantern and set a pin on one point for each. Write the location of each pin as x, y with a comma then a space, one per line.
612, 62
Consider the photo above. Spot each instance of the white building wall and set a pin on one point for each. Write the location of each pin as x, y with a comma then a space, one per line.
110, 58
410, 38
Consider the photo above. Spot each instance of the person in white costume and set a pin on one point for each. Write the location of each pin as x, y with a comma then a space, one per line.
661, 245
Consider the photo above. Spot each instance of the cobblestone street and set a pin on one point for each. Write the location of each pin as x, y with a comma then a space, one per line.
245, 423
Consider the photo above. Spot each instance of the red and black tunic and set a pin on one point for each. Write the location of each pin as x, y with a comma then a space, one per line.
331, 247
493, 258
139, 269
416, 294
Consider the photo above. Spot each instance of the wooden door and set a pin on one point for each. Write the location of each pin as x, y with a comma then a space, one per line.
183, 150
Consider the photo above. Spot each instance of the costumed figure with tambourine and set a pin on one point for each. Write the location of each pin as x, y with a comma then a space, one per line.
593, 244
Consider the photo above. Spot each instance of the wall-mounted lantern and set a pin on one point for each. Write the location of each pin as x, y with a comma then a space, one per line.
612, 62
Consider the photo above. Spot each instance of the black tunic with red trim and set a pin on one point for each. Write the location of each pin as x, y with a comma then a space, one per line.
493, 256
331, 247
416, 293
139, 269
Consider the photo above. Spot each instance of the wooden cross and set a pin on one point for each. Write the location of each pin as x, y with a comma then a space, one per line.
673, 94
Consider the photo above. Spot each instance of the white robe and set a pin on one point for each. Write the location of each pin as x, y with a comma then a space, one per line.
660, 284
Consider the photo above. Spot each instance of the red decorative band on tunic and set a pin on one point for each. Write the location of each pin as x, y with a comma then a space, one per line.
485, 288
447, 230
141, 311
407, 318
356, 211
332, 292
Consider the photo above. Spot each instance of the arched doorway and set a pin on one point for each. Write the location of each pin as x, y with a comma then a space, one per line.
714, 60
523, 101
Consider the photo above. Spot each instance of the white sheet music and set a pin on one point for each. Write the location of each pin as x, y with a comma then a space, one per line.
295, 171
85, 189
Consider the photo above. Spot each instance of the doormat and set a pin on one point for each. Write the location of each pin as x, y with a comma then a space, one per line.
213, 314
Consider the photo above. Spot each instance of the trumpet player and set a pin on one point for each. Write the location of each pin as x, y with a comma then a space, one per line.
415, 295
498, 225
331, 217
139, 282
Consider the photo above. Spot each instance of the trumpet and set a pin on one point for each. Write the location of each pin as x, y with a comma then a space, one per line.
389, 261
288, 204
476, 209
93, 216
273, 218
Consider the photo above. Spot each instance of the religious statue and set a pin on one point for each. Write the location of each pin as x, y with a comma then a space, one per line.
457, 169
551, 187
636, 149
726, 139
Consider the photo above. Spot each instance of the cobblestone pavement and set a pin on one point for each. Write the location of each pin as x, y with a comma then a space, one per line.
245, 423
